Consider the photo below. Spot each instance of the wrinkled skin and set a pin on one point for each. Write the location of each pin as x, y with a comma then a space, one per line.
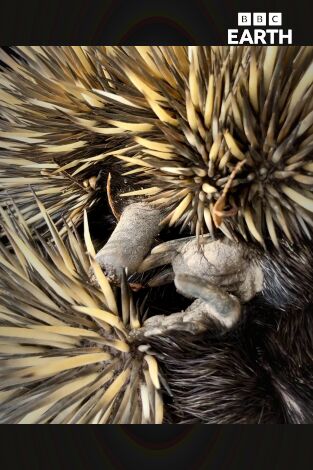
218, 274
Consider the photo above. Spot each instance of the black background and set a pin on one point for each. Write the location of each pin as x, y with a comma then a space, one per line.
157, 447
148, 447
139, 21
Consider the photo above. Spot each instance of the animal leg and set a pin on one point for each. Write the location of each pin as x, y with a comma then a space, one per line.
130, 241
212, 303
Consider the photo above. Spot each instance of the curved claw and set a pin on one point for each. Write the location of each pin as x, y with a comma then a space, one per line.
162, 278
175, 245
214, 302
199, 317
166, 252
156, 260
160, 325
213, 306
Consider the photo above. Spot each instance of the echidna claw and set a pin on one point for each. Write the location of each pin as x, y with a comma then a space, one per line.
221, 309
154, 260
174, 245
219, 275
214, 301
164, 277
220, 263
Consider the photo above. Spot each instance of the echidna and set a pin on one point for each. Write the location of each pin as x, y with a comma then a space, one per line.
51, 136
217, 138
65, 351
205, 138
224, 138
258, 373
228, 144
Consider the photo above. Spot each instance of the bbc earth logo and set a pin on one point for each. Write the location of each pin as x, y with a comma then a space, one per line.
253, 34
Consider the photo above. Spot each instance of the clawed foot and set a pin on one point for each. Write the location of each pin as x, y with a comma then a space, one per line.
221, 263
219, 274
211, 305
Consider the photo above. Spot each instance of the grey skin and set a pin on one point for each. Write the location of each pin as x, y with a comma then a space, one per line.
217, 273
130, 241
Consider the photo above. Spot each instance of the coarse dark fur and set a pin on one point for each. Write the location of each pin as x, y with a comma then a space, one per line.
288, 276
258, 373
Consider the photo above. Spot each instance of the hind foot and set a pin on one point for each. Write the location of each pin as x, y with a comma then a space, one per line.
212, 306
